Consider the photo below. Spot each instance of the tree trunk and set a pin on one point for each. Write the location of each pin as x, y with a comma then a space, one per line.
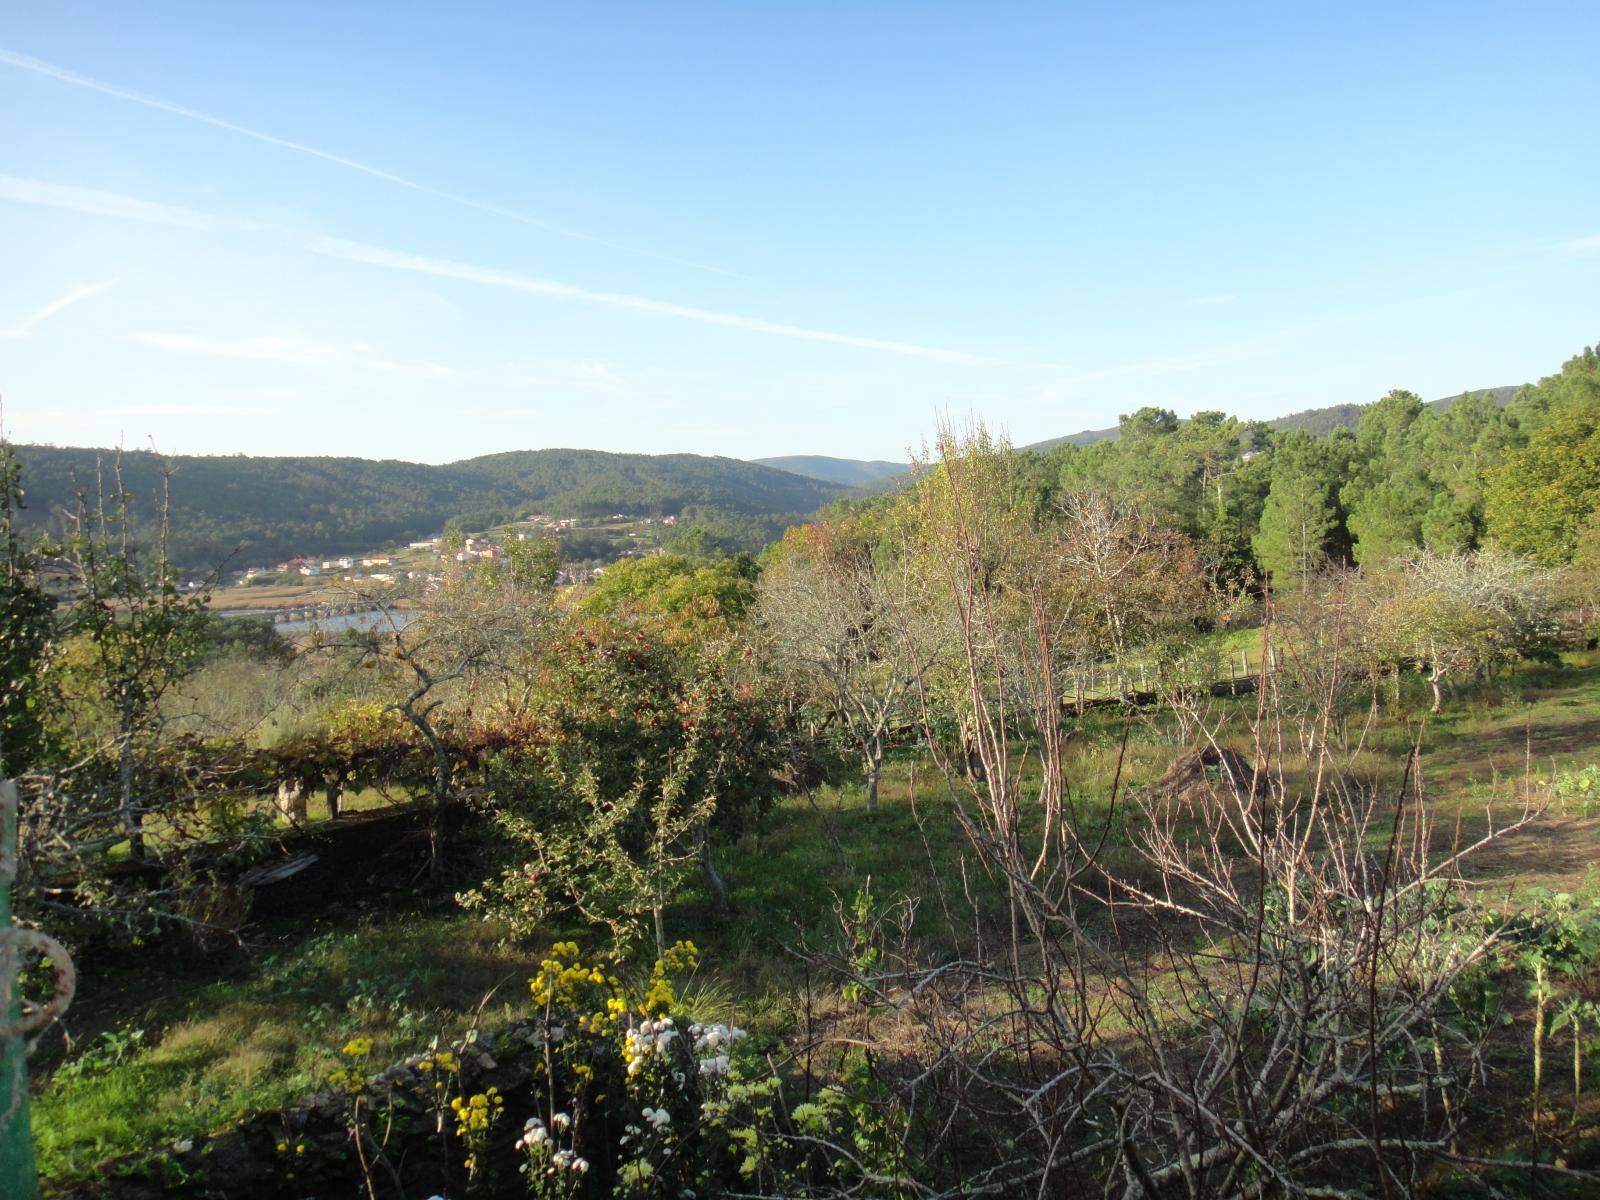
132, 818
333, 793
1438, 694
721, 903
291, 801
874, 767
443, 774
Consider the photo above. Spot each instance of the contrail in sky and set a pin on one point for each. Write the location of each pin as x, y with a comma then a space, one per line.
27, 325
51, 71
129, 208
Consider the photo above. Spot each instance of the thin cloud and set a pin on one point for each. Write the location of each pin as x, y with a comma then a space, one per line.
1215, 298
128, 208
184, 410
287, 351
61, 74
590, 377
1583, 245
1176, 364
26, 326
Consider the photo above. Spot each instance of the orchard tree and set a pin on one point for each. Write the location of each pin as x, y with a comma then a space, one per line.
132, 630
690, 599
850, 633
1456, 615
649, 754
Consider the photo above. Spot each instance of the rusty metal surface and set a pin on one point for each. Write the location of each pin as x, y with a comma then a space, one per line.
14, 944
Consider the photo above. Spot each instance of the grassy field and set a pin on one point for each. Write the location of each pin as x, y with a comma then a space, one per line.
219, 1037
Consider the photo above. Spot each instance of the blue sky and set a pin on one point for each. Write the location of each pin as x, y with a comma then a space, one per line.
748, 229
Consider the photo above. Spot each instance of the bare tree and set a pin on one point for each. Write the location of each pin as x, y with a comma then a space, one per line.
474, 630
852, 635
1133, 582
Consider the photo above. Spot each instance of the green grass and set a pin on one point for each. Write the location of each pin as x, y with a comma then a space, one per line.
225, 1037
269, 1031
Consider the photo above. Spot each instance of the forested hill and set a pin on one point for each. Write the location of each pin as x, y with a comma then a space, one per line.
240, 507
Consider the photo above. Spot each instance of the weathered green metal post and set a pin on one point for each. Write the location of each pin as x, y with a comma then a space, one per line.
18, 1179
17, 1176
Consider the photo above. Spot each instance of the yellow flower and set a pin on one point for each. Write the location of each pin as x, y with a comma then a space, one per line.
358, 1047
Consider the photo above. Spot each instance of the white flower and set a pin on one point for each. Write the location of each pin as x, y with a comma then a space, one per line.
580, 1165
533, 1134
658, 1117
560, 1120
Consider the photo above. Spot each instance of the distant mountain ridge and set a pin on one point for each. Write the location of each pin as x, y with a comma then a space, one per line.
258, 508
850, 472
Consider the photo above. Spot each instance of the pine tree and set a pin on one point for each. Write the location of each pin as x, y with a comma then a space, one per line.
1301, 520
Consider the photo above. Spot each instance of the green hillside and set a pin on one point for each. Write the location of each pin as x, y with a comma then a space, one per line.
243, 508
